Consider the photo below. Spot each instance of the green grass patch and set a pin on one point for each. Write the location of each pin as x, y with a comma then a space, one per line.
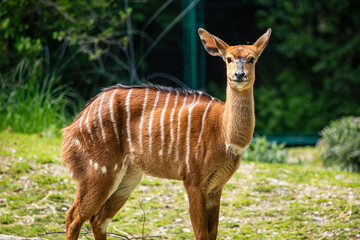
7, 218
19, 167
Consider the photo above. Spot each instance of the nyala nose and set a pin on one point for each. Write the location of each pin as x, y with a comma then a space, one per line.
239, 75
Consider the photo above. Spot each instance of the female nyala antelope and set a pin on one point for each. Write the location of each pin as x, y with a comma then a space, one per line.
168, 133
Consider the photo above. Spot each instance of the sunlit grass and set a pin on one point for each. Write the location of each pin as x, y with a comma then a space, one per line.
261, 201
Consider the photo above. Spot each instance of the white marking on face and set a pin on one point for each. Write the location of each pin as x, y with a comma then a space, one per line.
178, 129
96, 166
142, 119
172, 121
235, 149
202, 127
105, 225
103, 169
115, 167
188, 133
87, 123
239, 85
90, 162
162, 122
127, 104
151, 118
100, 117
111, 107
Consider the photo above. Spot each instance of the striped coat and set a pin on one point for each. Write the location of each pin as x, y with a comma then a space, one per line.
156, 127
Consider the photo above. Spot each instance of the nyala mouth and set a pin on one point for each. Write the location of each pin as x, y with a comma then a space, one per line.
241, 80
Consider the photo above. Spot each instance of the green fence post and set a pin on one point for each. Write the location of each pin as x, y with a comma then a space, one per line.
201, 52
189, 46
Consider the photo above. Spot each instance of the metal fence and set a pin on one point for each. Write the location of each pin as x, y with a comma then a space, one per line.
232, 21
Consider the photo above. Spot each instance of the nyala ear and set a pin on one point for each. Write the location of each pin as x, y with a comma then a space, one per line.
212, 44
262, 42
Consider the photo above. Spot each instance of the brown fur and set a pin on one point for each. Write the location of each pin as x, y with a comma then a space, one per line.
96, 146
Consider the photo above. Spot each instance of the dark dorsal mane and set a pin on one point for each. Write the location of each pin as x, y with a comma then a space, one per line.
183, 91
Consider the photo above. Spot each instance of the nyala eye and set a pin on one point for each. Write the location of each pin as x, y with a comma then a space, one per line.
228, 60
251, 60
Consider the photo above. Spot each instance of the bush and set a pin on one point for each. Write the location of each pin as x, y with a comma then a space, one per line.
341, 146
261, 150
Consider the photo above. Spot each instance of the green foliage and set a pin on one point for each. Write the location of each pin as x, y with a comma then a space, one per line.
342, 144
310, 66
54, 20
91, 27
18, 37
100, 34
36, 100
261, 150
94, 26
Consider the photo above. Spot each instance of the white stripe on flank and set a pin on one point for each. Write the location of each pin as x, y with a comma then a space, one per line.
188, 133
95, 112
178, 129
87, 123
127, 104
171, 122
162, 122
202, 128
151, 118
80, 126
111, 107
142, 119
99, 117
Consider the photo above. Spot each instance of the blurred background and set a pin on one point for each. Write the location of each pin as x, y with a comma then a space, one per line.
55, 55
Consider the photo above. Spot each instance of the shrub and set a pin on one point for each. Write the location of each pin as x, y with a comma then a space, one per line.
261, 150
341, 144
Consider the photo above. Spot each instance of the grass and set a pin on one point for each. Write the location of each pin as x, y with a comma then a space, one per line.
36, 100
261, 201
